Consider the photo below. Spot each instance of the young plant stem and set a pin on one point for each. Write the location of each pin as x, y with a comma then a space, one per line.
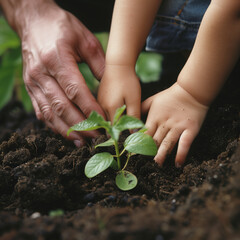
117, 154
128, 157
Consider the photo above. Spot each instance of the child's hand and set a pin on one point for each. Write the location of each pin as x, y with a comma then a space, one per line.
120, 85
173, 115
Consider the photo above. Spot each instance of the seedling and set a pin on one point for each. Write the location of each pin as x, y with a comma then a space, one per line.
136, 143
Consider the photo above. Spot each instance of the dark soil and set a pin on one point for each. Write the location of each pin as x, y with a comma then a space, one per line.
41, 172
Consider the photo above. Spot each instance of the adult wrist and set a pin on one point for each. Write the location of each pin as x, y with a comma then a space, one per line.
20, 13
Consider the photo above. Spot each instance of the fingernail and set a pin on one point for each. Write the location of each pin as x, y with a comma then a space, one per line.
178, 165
78, 143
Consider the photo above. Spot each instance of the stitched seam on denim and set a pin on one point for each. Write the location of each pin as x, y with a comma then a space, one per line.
181, 9
178, 22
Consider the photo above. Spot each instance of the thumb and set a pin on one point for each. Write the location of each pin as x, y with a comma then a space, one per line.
146, 105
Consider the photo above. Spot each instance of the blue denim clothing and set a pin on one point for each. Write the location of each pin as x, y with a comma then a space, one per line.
176, 25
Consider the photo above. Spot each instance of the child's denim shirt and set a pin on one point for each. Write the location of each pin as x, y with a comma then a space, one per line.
176, 25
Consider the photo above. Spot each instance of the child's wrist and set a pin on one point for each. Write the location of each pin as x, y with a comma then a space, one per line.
202, 97
119, 66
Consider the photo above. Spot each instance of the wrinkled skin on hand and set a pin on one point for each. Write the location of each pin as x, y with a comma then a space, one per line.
53, 42
174, 116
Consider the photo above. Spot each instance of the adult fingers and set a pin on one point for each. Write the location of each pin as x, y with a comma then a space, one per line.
51, 109
75, 86
92, 53
35, 105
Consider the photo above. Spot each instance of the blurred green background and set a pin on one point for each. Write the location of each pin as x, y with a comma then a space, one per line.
148, 67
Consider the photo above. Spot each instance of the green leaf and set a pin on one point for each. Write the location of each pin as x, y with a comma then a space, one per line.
91, 81
126, 180
8, 38
9, 68
94, 121
128, 122
118, 113
98, 163
56, 213
149, 66
109, 142
141, 143
144, 129
26, 100
103, 39
114, 165
7, 85
114, 133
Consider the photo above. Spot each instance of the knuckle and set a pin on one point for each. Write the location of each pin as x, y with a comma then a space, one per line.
34, 71
46, 112
167, 143
92, 46
156, 141
48, 58
86, 109
72, 91
58, 107
49, 90
27, 81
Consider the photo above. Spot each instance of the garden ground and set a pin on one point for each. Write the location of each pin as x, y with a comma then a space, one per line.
41, 172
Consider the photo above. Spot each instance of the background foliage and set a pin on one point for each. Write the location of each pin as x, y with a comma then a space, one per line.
148, 67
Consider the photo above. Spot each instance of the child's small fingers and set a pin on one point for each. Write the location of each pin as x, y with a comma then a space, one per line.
110, 112
151, 126
134, 110
146, 105
160, 134
184, 145
167, 145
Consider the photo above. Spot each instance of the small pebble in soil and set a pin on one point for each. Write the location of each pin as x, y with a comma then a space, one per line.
111, 198
173, 206
35, 215
89, 197
90, 204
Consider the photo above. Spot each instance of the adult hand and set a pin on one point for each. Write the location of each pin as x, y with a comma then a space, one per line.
174, 116
53, 42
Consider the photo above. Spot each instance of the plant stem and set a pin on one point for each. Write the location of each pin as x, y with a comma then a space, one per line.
128, 157
117, 155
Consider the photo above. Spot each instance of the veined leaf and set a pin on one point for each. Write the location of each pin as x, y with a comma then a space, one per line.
98, 163
141, 143
118, 113
144, 129
126, 180
128, 122
109, 142
114, 133
94, 121
114, 165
